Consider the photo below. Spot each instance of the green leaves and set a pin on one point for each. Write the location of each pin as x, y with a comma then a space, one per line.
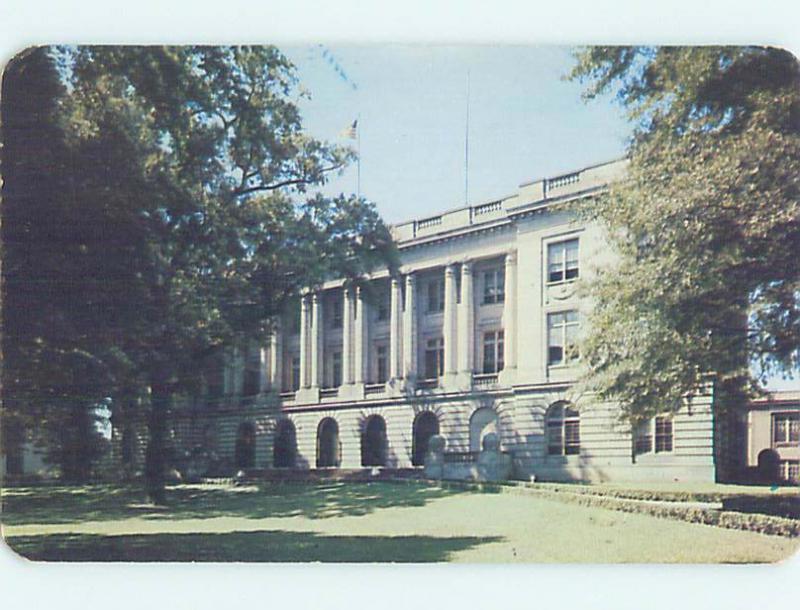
707, 224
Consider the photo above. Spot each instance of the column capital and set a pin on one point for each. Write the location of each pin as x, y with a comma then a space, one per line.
411, 278
466, 266
395, 281
316, 297
511, 257
450, 269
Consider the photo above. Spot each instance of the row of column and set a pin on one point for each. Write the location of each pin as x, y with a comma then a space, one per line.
457, 330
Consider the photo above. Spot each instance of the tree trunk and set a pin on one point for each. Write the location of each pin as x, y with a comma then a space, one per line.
156, 457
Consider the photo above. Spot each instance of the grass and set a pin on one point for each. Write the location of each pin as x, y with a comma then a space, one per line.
353, 522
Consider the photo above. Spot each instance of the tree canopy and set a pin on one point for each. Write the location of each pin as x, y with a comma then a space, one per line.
707, 224
177, 211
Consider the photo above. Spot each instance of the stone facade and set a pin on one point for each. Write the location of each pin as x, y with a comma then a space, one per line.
474, 336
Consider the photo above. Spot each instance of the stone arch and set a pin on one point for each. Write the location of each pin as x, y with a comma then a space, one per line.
245, 450
329, 448
284, 448
373, 441
426, 424
483, 421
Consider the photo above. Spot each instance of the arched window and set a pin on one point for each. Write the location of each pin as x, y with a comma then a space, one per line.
373, 442
284, 448
246, 446
563, 429
482, 422
426, 424
328, 446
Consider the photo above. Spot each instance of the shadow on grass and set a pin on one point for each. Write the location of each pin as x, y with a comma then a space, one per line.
23, 506
276, 546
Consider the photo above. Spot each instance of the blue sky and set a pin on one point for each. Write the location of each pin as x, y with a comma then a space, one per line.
525, 120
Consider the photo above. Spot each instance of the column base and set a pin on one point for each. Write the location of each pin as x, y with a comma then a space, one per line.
307, 396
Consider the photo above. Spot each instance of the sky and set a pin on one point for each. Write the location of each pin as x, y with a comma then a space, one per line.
525, 120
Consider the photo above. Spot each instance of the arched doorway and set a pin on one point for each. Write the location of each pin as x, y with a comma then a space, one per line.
482, 422
769, 466
284, 449
426, 424
246, 446
328, 447
373, 442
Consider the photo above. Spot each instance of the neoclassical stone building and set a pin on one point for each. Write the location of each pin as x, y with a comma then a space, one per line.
476, 334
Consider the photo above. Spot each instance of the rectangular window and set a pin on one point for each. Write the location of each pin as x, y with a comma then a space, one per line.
336, 369
384, 306
653, 435
562, 337
382, 363
562, 261
786, 429
494, 286
790, 471
294, 318
435, 300
663, 434
251, 385
643, 438
215, 377
295, 377
336, 315
493, 348
434, 358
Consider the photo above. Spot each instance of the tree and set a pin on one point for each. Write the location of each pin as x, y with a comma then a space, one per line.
49, 377
193, 180
707, 225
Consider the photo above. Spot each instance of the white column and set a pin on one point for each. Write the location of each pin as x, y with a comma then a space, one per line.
450, 347
510, 312
316, 340
305, 375
360, 350
275, 357
410, 329
394, 332
466, 342
347, 331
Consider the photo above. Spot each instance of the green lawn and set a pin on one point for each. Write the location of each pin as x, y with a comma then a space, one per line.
353, 522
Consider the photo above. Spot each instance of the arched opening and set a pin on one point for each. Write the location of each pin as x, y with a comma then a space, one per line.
426, 424
328, 446
563, 429
284, 449
373, 442
482, 422
769, 466
246, 446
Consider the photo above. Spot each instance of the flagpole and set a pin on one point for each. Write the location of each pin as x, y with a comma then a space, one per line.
358, 162
466, 150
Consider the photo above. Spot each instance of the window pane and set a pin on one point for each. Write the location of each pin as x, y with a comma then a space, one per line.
780, 429
555, 319
501, 285
794, 430
555, 273
554, 440
572, 437
488, 287
572, 251
571, 267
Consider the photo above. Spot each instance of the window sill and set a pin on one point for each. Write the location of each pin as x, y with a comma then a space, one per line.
562, 282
